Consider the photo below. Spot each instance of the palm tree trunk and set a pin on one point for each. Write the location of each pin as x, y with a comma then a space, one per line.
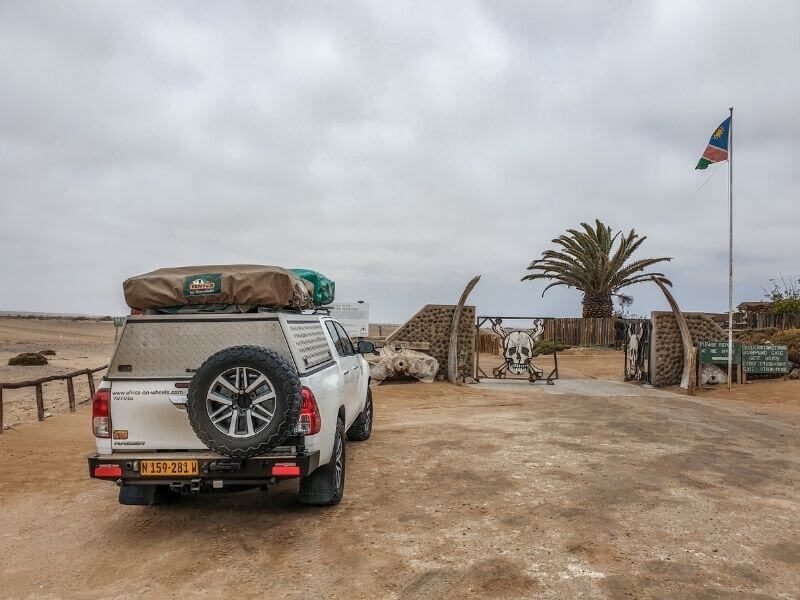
597, 305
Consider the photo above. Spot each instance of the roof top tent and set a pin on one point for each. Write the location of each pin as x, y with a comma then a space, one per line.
227, 288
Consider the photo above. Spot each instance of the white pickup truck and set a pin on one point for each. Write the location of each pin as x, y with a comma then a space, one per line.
224, 402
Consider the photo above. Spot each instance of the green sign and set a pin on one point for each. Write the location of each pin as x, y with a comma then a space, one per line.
716, 353
119, 321
765, 358
206, 284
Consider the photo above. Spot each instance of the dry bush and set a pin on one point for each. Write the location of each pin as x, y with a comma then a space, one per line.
755, 336
548, 347
27, 359
790, 338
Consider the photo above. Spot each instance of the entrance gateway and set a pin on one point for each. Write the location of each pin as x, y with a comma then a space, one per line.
516, 346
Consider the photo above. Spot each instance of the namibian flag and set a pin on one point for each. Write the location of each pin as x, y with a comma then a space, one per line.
717, 149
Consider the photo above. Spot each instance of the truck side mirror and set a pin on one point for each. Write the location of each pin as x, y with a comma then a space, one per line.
365, 347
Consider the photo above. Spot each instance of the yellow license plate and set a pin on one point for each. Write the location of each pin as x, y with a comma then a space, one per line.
167, 468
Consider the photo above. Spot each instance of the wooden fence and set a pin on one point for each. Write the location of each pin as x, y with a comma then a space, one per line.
581, 332
760, 320
573, 332
38, 383
488, 342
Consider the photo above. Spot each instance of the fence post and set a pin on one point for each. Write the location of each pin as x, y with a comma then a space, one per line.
39, 402
1, 409
90, 377
71, 394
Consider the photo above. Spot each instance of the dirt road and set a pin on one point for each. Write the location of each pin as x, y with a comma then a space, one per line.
460, 493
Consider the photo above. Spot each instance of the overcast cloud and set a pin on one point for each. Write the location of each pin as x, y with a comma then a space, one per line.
400, 148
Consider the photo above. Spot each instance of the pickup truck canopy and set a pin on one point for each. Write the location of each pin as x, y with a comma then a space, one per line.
257, 285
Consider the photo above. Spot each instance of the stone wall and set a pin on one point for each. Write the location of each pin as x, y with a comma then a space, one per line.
432, 324
666, 351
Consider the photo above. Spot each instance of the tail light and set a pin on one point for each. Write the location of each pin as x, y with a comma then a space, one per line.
310, 421
107, 471
285, 469
101, 413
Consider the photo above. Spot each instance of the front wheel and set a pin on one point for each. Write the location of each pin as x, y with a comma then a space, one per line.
361, 428
325, 486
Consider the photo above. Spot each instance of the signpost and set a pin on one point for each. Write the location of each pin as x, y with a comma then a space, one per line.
354, 317
716, 353
765, 358
752, 359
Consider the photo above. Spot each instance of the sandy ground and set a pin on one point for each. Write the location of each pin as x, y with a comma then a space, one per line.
776, 394
78, 345
460, 493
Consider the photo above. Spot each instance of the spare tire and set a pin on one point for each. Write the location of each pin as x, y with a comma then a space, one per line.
244, 401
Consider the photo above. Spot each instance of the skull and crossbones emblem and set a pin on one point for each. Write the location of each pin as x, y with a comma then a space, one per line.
518, 346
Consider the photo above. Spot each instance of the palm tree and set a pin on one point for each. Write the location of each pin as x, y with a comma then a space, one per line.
585, 262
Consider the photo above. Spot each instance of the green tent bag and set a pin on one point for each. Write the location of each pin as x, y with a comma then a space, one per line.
324, 288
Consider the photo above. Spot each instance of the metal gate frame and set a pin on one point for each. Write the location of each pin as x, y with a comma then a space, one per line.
496, 372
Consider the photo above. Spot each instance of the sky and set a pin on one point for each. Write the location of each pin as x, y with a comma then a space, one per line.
398, 147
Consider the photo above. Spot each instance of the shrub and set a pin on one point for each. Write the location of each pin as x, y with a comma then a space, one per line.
27, 359
548, 347
755, 336
785, 306
785, 296
47, 352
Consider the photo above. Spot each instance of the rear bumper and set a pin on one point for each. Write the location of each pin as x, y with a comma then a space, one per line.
212, 469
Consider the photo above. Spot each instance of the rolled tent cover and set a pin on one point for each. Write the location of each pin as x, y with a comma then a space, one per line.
257, 285
324, 289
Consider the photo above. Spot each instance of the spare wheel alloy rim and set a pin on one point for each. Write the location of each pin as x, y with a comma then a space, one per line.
241, 402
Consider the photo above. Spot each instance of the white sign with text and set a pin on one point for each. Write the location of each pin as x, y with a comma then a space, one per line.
354, 317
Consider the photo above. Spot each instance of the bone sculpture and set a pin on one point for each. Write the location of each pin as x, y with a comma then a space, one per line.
391, 363
518, 350
635, 333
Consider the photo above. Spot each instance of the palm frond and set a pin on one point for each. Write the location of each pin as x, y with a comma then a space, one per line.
595, 260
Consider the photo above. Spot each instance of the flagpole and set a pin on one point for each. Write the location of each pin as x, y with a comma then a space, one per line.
730, 250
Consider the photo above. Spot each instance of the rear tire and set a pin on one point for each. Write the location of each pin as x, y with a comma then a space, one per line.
361, 428
325, 486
